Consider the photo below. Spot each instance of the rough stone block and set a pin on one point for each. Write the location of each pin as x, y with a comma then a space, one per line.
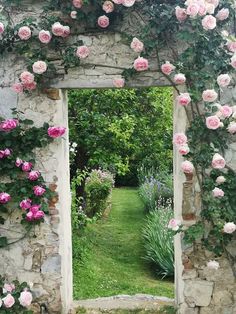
198, 293
222, 297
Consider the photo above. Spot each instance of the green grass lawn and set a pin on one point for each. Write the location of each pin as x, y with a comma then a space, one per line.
111, 253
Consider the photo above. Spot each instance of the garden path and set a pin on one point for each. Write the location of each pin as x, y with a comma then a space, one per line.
114, 267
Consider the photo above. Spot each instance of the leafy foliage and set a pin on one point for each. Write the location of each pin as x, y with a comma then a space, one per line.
121, 129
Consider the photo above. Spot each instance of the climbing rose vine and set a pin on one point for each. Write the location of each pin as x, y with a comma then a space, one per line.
23, 188
204, 67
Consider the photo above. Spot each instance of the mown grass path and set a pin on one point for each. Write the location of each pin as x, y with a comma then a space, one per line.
112, 260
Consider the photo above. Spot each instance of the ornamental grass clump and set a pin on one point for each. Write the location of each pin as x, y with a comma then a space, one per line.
158, 241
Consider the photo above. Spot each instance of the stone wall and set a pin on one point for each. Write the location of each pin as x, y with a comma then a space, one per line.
46, 260
207, 291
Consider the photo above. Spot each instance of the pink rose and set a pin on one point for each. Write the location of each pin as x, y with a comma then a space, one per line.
180, 139
5, 153
118, 1
25, 298
2, 28
209, 95
108, 6
180, 14
103, 21
35, 208
39, 67
29, 216
220, 180
73, 14
140, 64
192, 9
218, 162
136, 45
218, 192
233, 61
174, 224
45, 36
82, 52
38, 190
231, 45
119, 82
57, 29
24, 32
183, 99
35, 213
56, 131
18, 162
8, 125
223, 14
202, 9
33, 175
167, 68
26, 166
8, 287
232, 128
223, 80
210, 7
214, 2
25, 204
213, 265
179, 78
183, 150
66, 31
39, 215
77, 3
209, 22
2, 155
229, 227
8, 301
187, 167
128, 3
213, 122
26, 77
30, 86
226, 111
18, 88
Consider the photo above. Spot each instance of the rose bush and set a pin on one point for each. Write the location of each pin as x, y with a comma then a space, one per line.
25, 187
15, 297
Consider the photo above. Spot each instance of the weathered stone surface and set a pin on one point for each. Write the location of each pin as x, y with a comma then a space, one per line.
222, 297
184, 309
217, 310
198, 292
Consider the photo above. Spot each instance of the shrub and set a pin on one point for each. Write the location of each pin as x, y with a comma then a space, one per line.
155, 186
98, 186
158, 241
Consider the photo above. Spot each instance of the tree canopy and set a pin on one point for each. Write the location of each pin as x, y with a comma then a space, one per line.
121, 129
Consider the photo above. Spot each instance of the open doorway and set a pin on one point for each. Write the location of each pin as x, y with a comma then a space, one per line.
122, 187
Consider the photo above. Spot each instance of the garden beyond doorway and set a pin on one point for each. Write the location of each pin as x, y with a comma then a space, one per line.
125, 134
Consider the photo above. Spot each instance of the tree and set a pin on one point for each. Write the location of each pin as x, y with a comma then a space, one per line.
121, 129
